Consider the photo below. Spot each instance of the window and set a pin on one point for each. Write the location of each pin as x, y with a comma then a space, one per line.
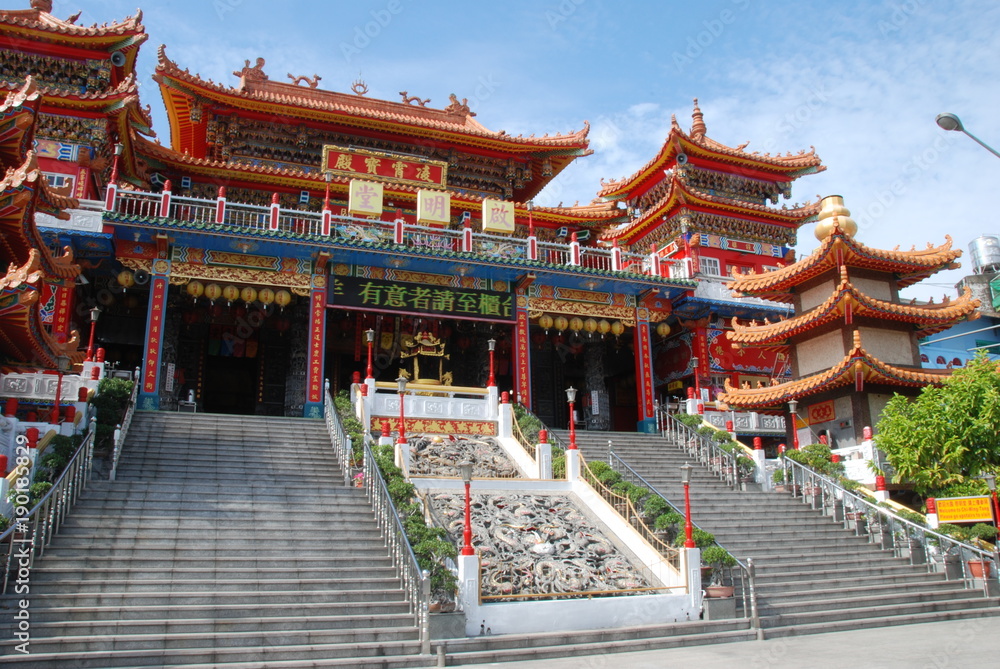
709, 266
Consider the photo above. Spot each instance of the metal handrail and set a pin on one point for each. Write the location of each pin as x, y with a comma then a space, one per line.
342, 445
122, 430
30, 533
883, 527
748, 589
720, 462
626, 509
416, 581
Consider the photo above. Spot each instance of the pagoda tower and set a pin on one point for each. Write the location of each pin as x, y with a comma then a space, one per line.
714, 208
853, 343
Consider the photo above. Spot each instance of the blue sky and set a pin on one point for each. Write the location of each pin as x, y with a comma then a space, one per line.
860, 81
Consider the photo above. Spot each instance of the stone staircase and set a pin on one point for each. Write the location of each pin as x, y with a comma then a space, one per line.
812, 574
225, 541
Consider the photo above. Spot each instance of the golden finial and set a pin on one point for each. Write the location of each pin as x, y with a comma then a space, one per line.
833, 214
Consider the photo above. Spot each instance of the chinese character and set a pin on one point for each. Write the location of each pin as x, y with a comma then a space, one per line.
489, 305
435, 207
398, 168
444, 300
424, 173
498, 217
420, 298
467, 303
395, 296
343, 162
366, 193
373, 164
370, 294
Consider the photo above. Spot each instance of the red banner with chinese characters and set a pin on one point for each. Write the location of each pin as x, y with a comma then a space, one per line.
523, 360
822, 412
358, 163
644, 369
62, 313
316, 321
157, 298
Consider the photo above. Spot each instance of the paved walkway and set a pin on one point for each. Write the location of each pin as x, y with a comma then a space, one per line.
959, 644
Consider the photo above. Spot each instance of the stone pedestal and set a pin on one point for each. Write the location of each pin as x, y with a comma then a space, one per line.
719, 608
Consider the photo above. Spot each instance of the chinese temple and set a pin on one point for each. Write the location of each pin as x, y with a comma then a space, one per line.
852, 342
244, 264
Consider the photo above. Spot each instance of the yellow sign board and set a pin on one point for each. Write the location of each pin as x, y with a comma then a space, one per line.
433, 208
965, 510
498, 216
365, 198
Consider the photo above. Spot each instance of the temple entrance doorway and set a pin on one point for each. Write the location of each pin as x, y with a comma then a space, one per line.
230, 385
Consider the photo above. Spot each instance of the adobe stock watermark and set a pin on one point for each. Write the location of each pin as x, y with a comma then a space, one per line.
714, 28
364, 34
225, 7
887, 196
21, 557
901, 15
562, 12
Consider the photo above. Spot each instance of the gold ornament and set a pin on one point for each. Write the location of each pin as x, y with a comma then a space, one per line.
833, 212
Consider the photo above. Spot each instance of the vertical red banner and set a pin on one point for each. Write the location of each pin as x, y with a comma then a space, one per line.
62, 313
643, 367
316, 328
522, 355
154, 335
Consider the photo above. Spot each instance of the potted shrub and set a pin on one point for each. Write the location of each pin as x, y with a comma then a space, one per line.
667, 525
979, 535
717, 559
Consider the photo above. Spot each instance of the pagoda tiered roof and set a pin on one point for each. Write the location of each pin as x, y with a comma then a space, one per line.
453, 126
840, 248
846, 303
858, 367
17, 122
680, 196
23, 337
38, 25
702, 151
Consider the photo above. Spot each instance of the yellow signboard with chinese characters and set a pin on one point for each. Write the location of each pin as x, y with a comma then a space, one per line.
433, 208
498, 216
965, 510
387, 167
365, 198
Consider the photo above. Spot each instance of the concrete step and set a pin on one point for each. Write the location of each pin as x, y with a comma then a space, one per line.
333, 587
181, 596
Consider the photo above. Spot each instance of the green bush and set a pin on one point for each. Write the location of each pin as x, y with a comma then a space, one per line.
654, 506
702, 539
610, 478
706, 431
528, 423
559, 467
668, 520
691, 420
637, 494
110, 402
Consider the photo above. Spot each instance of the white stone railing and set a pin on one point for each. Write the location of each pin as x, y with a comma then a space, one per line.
425, 401
746, 421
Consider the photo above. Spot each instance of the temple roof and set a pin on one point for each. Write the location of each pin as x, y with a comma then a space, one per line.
703, 151
17, 116
679, 195
847, 302
842, 249
857, 367
40, 24
453, 125
23, 338
23, 191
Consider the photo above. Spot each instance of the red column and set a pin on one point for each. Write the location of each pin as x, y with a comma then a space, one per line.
150, 391
644, 372
317, 338
522, 351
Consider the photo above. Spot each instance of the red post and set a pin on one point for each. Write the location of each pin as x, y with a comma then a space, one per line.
996, 509
758, 444
275, 213
572, 427
90, 346
543, 436
165, 199
386, 428
55, 408
10, 409
402, 421
467, 548
220, 206
492, 380
688, 527
729, 428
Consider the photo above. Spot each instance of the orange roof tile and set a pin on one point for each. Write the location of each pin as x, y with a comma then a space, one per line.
35, 20
845, 372
928, 318
839, 248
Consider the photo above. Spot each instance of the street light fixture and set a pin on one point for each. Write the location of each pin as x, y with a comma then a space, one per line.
697, 381
793, 407
948, 121
688, 527
571, 398
401, 388
95, 313
370, 338
465, 470
492, 344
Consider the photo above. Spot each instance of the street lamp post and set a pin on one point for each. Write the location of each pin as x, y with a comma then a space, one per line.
492, 344
370, 338
991, 483
95, 313
401, 387
793, 407
948, 121
688, 527
697, 381
571, 399
465, 469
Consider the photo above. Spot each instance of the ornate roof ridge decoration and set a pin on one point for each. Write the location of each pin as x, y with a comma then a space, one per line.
857, 366
22, 335
456, 118
696, 143
840, 248
19, 112
26, 95
126, 87
39, 18
679, 195
847, 299
601, 211
29, 192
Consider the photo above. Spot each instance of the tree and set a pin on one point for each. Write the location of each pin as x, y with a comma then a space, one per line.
948, 433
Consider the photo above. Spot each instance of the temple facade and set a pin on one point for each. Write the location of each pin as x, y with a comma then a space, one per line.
852, 341
242, 265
